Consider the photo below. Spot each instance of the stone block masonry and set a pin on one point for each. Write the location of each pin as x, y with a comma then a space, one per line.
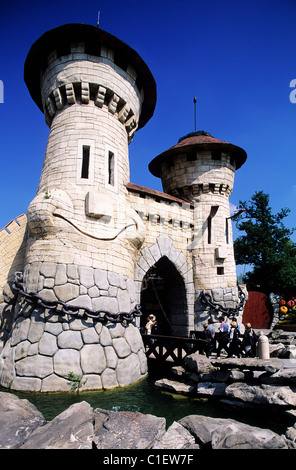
82, 286
12, 249
45, 347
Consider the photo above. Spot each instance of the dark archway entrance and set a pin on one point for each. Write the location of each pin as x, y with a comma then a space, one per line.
163, 294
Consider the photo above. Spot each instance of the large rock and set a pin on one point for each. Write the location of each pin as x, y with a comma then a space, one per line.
227, 376
262, 394
127, 430
72, 429
216, 389
290, 436
268, 365
198, 363
284, 376
175, 386
218, 433
176, 437
18, 419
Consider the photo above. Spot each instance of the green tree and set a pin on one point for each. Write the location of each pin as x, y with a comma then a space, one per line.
266, 247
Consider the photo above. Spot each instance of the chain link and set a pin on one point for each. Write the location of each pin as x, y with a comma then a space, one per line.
63, 308
205, 299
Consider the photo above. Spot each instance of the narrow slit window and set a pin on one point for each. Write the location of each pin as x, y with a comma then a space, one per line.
111, 168
227, 230
209, 230
213, 212
85, 162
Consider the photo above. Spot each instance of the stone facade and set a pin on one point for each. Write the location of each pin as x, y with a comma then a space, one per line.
93, 246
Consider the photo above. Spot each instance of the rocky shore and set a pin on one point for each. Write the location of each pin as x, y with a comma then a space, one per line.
248, 380
82, 427
240, 382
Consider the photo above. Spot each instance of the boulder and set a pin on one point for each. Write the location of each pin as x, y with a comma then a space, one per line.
227, 376
211, 389
182, 374
126, 429
262, 394
276, 349
198, 363
218, 433
290, 436
176, 437
19, 418
175, 386
71, 429
268, 365
281, 377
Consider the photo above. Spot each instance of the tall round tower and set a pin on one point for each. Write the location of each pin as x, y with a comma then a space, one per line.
201, 169
77, 312
95, 92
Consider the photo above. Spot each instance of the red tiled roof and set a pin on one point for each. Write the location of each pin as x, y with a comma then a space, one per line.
202, 141
153, 192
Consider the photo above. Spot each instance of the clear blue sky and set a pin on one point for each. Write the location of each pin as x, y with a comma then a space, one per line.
237, 57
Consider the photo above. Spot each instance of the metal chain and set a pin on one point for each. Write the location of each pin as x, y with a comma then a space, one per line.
205, 299
63, 308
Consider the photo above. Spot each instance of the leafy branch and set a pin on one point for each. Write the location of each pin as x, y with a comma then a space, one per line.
76, 381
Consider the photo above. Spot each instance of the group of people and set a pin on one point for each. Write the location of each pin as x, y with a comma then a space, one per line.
230, 339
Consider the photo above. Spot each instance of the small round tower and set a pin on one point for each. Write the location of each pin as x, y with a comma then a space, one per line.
201, 169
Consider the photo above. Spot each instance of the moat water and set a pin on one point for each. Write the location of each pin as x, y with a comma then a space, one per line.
144, 397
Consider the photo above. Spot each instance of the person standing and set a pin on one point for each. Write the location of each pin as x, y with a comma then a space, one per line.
223, 337
234, 341
207, 337
249, 341
211, 329
151, 320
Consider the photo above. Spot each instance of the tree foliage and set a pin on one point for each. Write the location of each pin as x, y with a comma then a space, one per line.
266, 246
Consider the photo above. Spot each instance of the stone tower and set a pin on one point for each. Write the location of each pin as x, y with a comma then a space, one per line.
201, 170
78, 314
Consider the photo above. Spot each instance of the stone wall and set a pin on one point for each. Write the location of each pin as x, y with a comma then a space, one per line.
12, 249
45, 347
82, 286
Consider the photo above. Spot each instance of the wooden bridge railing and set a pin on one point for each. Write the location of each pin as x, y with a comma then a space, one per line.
172, 348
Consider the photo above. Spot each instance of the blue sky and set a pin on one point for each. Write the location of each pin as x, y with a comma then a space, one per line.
236, 57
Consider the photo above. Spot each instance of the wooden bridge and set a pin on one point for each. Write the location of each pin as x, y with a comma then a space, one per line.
170, 348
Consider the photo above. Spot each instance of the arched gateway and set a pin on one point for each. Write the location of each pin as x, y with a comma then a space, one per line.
164, 287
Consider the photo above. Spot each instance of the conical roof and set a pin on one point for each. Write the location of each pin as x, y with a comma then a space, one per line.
198, 140
93, 37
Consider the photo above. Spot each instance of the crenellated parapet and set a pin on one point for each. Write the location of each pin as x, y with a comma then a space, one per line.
194, 190
85, 93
